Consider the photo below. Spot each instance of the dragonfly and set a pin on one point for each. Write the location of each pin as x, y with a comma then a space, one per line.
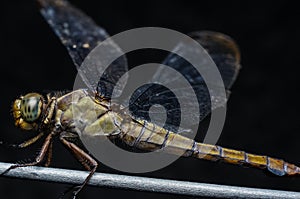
52, 115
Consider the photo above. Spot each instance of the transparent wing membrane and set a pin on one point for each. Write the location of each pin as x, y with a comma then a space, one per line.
80, 35
224, 52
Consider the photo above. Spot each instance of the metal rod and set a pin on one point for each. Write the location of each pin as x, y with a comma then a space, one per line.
144, 184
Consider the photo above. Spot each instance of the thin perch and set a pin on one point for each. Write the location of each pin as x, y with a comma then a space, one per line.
144, 184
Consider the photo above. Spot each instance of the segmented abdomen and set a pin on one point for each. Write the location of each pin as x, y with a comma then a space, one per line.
148, 136
276, 166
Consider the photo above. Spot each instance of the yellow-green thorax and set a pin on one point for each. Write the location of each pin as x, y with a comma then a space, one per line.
86, 115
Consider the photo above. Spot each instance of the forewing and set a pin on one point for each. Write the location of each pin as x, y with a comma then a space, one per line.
80, 35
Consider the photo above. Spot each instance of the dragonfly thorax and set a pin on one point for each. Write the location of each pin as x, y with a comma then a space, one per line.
27, 110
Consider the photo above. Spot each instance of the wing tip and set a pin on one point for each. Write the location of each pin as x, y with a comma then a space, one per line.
224, 42
45, 3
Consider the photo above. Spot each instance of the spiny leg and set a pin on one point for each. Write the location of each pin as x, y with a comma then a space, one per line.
87, 161
38, 159
25, 143
50, 110
30, 141
49, 155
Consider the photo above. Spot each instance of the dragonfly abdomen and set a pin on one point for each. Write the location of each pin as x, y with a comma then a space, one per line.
275, 166
142, 134
148, 136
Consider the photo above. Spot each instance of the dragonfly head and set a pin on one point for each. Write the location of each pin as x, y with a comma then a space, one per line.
27, 111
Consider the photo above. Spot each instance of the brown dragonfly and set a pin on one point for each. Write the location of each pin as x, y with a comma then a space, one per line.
52, 115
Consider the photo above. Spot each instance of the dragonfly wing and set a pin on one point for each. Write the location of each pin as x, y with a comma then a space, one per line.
224, 52
80, 35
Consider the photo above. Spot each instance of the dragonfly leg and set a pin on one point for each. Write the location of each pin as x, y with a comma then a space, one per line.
50, 110
30, 141
38, 159
49, 155
86, 160
25, 143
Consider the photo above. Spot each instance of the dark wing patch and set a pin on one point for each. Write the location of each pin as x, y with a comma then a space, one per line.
224, 52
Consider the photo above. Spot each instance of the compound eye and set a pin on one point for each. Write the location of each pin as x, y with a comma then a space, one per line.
31, 107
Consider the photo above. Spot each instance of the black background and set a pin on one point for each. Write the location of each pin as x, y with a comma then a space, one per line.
262, 114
